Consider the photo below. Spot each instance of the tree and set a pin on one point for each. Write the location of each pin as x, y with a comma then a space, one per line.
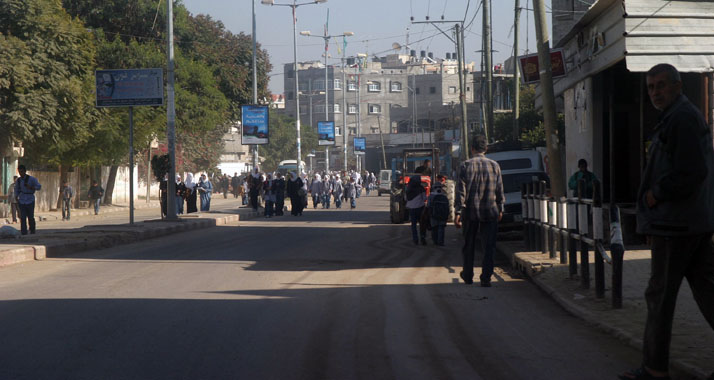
282, 141
530, 121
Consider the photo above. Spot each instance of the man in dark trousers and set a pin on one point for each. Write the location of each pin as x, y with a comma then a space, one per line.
25, 188
95, 193
479, 205
675, 210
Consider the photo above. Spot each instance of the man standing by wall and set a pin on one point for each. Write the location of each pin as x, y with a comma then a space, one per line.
479, 205
67, 193
675, 210
25, 188
14, 211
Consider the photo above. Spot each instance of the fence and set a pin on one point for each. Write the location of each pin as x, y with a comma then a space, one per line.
571, 225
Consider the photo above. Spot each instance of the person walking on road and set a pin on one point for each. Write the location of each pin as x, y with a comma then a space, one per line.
180, 194
326, 191
95, 193
66, 193
279, 194
296, 193
14, 211
191, 194
254, 187
479, 205
205, 190
337, 191
416, 198
675, 210
225, 183
235, 185
316, 190
351, 193
25, 188
269, 196
438, 205
582, 173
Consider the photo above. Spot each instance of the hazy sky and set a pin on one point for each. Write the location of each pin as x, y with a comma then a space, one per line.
376, 24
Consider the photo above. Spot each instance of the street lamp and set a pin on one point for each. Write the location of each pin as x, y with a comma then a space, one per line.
294, 6
327, 37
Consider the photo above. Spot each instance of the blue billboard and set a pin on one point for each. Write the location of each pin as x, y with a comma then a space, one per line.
360, 144
325, 133
130, 87
255, 120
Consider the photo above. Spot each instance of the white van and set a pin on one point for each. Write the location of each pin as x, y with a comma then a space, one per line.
517, 167
385, 182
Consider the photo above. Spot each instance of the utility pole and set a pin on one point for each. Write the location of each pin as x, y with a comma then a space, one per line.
516, 74
488, 52
171, 115
345, 131
546, 84
462, 94
255, 84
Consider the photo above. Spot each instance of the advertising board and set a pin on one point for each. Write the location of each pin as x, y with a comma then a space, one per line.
325, 133
130, 87
254, 127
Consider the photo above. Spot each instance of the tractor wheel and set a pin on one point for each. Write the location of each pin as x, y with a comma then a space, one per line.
394, 213
451, 194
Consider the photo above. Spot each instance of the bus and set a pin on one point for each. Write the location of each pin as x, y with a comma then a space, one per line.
287, 166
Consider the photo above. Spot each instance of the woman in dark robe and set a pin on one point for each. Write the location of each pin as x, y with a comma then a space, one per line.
191, 196
295, 186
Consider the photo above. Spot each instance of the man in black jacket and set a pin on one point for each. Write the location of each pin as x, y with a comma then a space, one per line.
675, 210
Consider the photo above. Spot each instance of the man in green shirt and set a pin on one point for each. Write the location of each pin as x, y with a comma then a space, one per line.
583, 173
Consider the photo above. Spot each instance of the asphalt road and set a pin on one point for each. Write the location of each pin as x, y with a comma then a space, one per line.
335, 294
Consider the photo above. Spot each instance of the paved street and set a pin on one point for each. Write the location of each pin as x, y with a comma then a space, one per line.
335, 294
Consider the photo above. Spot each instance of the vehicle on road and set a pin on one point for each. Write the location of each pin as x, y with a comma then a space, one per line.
287, 166
517, 167
384, 184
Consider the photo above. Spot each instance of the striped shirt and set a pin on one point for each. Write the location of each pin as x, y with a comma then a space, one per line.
479, 187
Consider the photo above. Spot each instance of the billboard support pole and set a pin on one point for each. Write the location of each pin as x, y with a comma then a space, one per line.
131, 166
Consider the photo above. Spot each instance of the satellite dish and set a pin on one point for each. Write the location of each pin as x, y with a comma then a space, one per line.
396, 46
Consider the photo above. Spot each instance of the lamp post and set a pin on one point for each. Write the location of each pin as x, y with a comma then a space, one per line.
294, 7
327, 37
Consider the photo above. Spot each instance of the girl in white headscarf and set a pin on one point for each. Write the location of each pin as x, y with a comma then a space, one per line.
254, 187
191, 196
269, 195
337, 190
316, 190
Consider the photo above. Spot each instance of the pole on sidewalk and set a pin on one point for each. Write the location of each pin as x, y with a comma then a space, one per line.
572, 243
462, 94
131, 166
598, 237
583, 229
557, 183
171, 115
536, 225
516, 73
255, 83
488, 53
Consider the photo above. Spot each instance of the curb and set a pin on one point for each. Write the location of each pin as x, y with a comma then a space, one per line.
40, 252
531, 271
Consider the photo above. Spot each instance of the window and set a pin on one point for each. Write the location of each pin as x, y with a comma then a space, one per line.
375, 108
319, 109
353, 130
351, 86
336, 108
452, 89
417, 90
432, 90
318, 85
337, 84
396, 87
291, 74
338, 131
303, 109
352, 109
468, 89
290, 95
302, 86
374, 86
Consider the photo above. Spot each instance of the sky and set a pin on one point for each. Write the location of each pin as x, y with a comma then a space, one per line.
376, 24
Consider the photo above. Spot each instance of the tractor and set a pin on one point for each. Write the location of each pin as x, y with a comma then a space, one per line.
402, 173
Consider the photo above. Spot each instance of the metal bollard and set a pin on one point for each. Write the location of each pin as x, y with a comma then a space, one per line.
531, 217
572, 243
536, 227
524, 214
617, 247
598, 237
562, 226
553, 224
583, 230
545, 231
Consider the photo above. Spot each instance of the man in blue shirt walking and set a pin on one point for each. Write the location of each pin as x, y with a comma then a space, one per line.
25, 188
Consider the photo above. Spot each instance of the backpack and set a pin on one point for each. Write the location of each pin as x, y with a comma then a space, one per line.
440, 208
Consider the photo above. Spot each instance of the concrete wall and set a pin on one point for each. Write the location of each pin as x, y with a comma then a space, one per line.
579, 127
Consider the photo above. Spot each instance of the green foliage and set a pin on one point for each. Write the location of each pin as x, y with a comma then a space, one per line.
160, 166
282, 141
530, 121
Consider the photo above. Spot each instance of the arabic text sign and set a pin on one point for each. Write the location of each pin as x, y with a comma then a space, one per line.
360, 144
131, 87
255, 125
530, 68
325, 133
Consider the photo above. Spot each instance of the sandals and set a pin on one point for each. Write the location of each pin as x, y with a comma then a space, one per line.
640, 374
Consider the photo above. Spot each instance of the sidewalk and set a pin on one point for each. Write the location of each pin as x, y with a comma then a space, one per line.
111, 227
692, 348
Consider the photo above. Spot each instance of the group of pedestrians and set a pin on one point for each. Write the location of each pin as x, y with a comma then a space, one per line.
330, 186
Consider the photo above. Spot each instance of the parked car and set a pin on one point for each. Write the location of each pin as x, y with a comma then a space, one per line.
517, 167
384, 182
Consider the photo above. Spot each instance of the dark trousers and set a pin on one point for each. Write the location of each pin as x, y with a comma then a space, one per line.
437, 233
268, 208
14, 211
316, 199
279, 207
254, 200
414, 217
27, 214
674, 258
486, 232
66, 203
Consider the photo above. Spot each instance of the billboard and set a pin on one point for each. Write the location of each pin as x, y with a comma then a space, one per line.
360, 144
325, 133
130, 87
255, 122
530, 68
